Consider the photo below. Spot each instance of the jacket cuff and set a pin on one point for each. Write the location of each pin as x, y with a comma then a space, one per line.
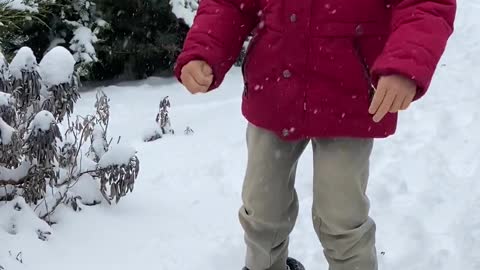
186, 57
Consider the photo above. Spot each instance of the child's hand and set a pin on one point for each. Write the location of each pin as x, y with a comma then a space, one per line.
394, 93
197, 76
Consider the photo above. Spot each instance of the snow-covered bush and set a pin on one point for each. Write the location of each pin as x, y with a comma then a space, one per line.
82, 46
15, 16
79, 26
26, 79
44, 24
60, 82
47, 159
108, 38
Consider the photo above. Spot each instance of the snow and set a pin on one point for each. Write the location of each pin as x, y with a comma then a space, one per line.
20, 5
424, 186
82, 45
57, 66
98, 144
88, 189
19, 221
24, 60
6, 99
85, 164
186, 13
15, 174
152, 131
118, 154
6, 132
101, 23
42, 121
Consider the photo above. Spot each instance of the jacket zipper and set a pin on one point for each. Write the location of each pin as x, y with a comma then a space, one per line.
245, 80
244, 66
308, 41
366, 69
246, 59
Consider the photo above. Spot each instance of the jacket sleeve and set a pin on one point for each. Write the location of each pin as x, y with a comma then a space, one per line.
218, 32
419, 33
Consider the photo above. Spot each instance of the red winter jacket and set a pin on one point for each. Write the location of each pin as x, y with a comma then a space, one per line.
310, 63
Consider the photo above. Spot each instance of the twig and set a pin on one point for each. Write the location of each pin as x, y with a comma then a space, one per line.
81, 143
46, 208
89, 172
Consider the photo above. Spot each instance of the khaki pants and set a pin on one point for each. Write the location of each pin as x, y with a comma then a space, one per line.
340, 205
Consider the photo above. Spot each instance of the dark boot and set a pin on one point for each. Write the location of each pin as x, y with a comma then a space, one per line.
292, 264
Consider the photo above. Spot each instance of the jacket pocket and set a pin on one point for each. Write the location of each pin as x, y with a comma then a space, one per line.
245, 66
365, 67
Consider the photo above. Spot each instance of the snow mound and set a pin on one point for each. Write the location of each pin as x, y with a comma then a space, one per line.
42, 121
24, 60
118, 155
88, 189
18, 218
152, 131
57, 66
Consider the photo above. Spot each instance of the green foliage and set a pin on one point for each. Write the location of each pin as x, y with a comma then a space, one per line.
144, 37
130, 39
20, 28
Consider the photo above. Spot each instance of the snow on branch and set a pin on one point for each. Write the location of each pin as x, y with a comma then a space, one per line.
185, 9
19, 5
57, 67
117, 155
82, 44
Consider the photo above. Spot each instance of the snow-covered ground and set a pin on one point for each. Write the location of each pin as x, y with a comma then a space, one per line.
182, 215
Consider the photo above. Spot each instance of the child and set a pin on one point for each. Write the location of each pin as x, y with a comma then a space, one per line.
331, 72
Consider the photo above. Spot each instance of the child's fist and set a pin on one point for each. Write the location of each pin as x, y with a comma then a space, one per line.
197, 76
393, 93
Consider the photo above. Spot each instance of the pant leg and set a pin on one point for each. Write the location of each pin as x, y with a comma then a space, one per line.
270, 204
341, 207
